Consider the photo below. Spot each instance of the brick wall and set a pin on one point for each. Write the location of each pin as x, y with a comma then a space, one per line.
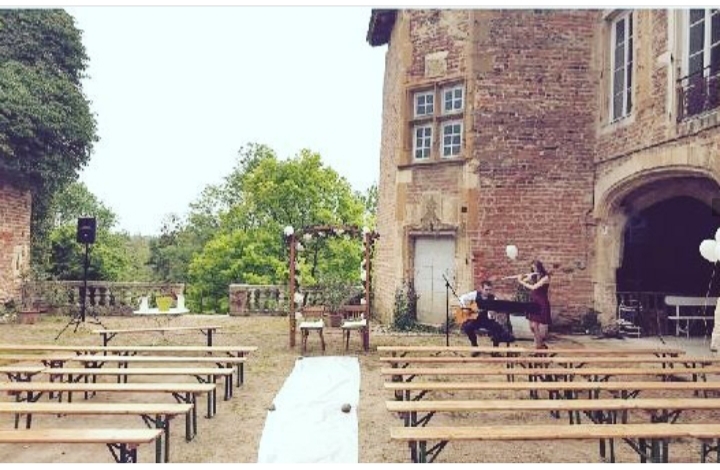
534, 98
15, 207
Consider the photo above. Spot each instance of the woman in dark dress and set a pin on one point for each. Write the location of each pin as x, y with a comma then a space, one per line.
539, 284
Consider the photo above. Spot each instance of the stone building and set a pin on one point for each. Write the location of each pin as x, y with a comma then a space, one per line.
587, 138
15, 212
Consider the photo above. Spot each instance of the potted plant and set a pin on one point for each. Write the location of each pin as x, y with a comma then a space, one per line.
334, 293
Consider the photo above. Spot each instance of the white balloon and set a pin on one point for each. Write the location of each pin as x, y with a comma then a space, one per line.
708, 249
511, 251
717, 235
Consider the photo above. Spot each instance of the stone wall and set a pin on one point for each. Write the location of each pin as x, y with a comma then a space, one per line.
15, 213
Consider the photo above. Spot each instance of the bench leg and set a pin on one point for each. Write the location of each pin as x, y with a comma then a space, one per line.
322, 340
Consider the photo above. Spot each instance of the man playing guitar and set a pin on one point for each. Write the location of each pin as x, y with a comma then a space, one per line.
496, 332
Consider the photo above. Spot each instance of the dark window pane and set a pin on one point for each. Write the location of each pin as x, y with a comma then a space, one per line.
630, 50
714, 59
695, 64
715, 28
620, 31
617, 105
697, 37
456, 140
458, 93
458, 104
696, 15
447, 140
618, 81
446, 151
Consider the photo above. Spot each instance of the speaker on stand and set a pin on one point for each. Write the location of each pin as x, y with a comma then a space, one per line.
86, 230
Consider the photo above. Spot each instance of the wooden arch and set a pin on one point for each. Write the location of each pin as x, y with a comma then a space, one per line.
368, 237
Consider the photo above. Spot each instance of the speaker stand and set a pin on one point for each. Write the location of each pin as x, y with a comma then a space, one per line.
79, 317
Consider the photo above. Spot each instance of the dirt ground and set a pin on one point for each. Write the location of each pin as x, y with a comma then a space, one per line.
233, 435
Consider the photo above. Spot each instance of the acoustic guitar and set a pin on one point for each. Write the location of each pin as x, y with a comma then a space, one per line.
463, 314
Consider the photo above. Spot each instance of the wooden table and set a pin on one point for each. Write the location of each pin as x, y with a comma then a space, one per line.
208, 331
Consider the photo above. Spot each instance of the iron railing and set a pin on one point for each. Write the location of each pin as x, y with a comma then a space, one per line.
698, 92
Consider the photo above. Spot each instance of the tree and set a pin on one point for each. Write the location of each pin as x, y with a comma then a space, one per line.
110, 258
234, 231
46, 127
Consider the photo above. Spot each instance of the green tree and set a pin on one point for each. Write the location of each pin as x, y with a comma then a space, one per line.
110, 258
46, 127
245, 218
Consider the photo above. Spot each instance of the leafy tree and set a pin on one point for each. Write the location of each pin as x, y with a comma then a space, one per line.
46, 127
110, 259
238, 227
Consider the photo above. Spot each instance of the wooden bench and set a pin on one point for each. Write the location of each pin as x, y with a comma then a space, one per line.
208, 331
122, 443
660, 352
594, 374
661, 409
565, 361
679, 302
617, 389
230, 351
157, 414
91, 360
182, 392
75, 374
657, 434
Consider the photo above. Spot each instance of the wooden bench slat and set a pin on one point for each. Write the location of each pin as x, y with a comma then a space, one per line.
159, 328
559, 431
548, 371
139, 371
95, 408
550, 360
571, 351
191, 387
109, 358
77, 436
559, 405
607, 386
95, 348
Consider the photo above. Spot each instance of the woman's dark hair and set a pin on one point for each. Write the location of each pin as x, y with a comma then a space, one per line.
539, 268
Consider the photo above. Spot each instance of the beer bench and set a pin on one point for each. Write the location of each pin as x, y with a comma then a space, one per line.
75, 374
630, 389
208, 331
230, 351
563, 361
157, 414
604, 410
592, 374
515, 351
679, 302
658, 435
122, 443
91, 360
182, 392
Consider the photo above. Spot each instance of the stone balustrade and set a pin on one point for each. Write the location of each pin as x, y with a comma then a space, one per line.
104, 298
248, 299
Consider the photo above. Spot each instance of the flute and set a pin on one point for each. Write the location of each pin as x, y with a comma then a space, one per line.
516, 276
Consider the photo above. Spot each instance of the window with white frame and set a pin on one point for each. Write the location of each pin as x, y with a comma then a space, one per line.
452, 138
701, 83
422, 142
424, 103
453, 99
621, 46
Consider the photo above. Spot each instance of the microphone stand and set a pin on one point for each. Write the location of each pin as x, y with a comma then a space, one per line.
448, 289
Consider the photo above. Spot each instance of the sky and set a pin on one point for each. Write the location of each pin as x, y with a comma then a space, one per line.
178, 90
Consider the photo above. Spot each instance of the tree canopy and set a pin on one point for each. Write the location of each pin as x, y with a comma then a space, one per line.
46, 127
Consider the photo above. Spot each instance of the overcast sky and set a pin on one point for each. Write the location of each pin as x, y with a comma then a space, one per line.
178, 90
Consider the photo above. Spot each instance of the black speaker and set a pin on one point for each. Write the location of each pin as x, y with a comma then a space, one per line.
86, 230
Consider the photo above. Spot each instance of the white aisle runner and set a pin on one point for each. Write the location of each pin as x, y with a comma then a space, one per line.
308, 424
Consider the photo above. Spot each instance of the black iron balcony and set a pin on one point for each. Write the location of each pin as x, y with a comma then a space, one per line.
698, 93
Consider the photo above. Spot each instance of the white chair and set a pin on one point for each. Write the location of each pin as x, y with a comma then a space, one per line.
181, 304
353, 320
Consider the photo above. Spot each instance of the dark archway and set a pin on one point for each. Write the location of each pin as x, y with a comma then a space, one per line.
660, 251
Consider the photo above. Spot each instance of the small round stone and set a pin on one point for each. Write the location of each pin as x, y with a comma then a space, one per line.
346, 408
271, 407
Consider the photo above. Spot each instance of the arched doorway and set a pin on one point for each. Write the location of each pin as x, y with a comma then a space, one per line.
649, 227
660, 248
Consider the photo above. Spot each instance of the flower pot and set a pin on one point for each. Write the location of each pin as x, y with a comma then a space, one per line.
336, 320
164, 303
28, 317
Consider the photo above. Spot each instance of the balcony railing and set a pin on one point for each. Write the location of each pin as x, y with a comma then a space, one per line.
104, 298
247, 299
698, 93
